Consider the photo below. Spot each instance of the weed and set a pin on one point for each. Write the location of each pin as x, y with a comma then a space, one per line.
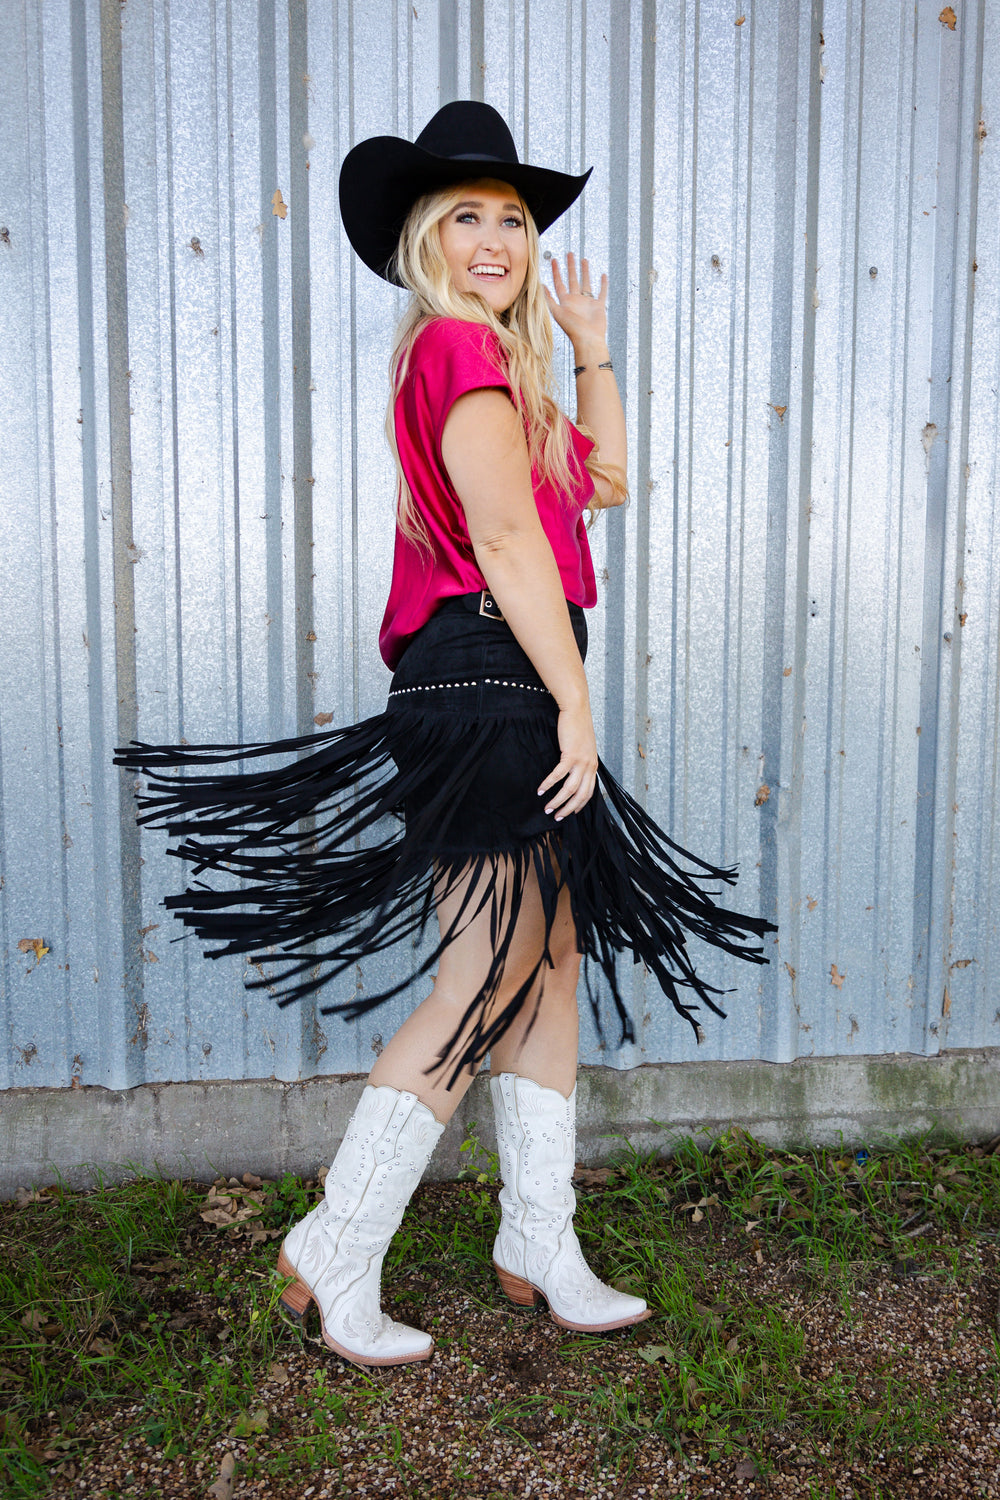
481, 1165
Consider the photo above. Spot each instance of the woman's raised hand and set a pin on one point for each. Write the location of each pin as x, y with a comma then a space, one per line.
581, 313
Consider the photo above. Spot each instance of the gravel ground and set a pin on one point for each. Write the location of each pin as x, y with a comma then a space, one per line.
511, 1405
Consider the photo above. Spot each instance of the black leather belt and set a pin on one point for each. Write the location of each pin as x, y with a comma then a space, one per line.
482, 603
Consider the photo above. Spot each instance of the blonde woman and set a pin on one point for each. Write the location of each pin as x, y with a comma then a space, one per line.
528, 853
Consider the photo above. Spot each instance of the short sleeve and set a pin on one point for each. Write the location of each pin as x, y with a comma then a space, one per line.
451, 357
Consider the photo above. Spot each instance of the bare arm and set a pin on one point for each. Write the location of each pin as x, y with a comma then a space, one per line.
486, 455
583, 318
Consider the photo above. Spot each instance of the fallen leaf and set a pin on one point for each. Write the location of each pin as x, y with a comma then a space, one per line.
836, 978
779, 409
222, 1489
763, 792
948, 18
33, 945
652, 1352
593, 1176
278, 204
217, 1216
740, 20
946, 1002
24, 1195
278, 1374
251, 1181
322, 719
811, 903
697, 1215
747, 1469
34, 1319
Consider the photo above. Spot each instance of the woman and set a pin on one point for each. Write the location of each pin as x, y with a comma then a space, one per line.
487, 745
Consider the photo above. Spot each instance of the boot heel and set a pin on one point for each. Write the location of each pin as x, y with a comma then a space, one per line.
520, 1292
297, 1297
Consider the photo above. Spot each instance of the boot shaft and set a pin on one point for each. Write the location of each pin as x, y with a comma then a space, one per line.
536, 1135
385, 1150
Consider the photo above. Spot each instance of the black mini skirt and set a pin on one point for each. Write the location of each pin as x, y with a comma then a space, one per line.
465, 667
336, 845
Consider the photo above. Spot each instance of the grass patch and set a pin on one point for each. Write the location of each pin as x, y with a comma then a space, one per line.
149, 1311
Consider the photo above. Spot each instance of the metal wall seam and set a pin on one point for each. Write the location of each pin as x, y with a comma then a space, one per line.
122, 538
958, 167
971, 1012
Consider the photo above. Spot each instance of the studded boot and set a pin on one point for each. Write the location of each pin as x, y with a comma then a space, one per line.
537, 1254
335, 1253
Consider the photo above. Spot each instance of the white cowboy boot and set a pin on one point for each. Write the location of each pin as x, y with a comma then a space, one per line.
335, 1253
537, 1254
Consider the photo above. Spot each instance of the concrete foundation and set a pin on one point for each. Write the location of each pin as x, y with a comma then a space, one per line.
202, 1130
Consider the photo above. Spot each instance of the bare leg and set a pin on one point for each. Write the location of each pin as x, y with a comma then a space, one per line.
545, 1046
549, 1044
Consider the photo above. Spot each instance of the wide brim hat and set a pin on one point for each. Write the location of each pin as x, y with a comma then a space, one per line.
383, 177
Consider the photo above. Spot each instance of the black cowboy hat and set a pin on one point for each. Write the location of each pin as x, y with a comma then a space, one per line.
382, 178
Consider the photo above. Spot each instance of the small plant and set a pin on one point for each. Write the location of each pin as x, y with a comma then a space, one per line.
479, 1164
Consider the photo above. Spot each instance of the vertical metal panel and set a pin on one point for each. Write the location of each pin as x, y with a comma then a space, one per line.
970, 999
795, 659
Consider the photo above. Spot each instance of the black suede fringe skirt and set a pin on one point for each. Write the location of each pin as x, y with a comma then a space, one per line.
337, 845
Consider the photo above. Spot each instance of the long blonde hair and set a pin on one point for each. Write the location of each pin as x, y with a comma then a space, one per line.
524, 333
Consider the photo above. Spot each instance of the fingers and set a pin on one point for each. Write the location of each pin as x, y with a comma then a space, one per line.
577, 788
577, 283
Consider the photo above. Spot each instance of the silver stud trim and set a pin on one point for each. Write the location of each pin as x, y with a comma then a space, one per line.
433, 687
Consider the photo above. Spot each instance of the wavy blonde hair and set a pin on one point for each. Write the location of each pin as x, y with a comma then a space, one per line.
524, 333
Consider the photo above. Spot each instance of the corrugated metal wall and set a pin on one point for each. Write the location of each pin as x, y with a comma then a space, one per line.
796, 656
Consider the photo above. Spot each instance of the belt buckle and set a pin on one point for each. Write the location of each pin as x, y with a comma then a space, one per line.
489, 607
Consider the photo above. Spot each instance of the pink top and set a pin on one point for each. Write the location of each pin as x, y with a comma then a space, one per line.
448, 358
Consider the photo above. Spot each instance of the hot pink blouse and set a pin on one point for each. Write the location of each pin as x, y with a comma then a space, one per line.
448, 358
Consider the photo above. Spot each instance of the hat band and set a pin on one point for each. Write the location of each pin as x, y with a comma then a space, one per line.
482, 156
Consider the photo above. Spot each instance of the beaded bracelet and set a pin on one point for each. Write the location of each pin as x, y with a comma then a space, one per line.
579, 369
